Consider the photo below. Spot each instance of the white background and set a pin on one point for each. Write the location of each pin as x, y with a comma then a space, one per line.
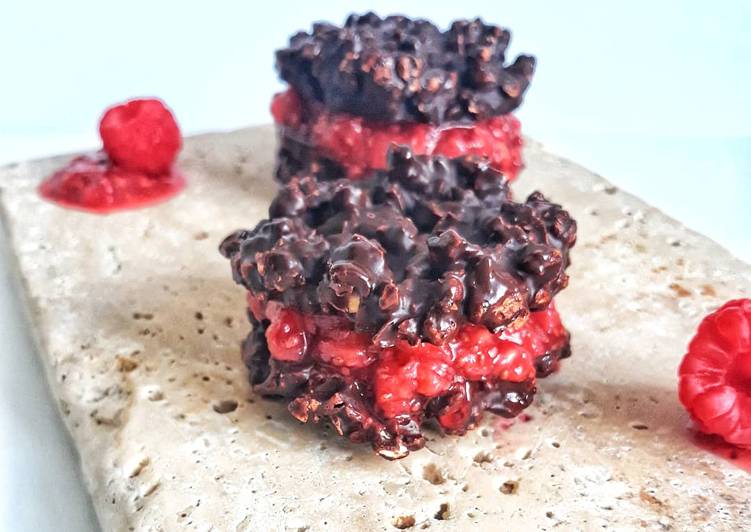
653, 95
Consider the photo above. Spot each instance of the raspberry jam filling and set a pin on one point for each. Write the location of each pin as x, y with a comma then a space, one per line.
405, 378
360, 145
93, 183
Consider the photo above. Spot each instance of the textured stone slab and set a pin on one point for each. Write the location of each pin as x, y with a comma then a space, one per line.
138, 323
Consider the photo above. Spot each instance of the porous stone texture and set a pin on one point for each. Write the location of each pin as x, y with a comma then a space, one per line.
139, 325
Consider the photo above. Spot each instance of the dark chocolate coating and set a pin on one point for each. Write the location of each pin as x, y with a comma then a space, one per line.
400, 69
411, 252
296, 159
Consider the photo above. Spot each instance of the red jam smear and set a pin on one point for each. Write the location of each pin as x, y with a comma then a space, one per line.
405, 376
360, 145
92, 183
737, 456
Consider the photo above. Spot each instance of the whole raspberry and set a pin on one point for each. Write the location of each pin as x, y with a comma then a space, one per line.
715, 375
141, 135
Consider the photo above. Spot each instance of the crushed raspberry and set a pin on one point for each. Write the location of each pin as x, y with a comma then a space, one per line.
360, 145
434, 368
543, 333
345, 349
497, 139
383, 395
141, 135
92, 183
715, 375
479, 354
405, 377
394, 386
454, 417
287, 338
286, 109
255, 306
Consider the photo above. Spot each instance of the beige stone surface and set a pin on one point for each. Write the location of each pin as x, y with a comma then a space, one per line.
138, 323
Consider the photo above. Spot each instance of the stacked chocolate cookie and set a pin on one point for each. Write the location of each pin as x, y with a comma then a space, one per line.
356, 89
419, 291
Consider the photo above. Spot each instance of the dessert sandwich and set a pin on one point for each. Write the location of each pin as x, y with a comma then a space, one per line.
396, 293
356, 89
420, 292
